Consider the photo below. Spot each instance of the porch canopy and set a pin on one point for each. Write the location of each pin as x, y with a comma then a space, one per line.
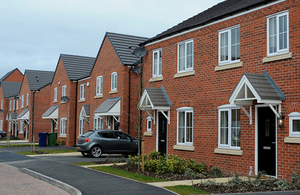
12, 116
259, 87
24, 115
85, 111
155, 99
51, 113
110, 107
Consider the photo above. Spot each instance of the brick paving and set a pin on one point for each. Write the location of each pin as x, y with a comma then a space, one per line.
15, 182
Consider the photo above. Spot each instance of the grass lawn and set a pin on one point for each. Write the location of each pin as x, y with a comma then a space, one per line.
83, 163
126, 174
185, 190
20, 145
46, 151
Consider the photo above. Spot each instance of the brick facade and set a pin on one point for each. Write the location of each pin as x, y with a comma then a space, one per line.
208, 89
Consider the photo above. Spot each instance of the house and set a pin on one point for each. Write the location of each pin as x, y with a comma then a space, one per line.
61, 112
114, 85
33, 101
222, 87
9, 89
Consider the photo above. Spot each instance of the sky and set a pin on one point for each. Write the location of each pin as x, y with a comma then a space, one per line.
35, 32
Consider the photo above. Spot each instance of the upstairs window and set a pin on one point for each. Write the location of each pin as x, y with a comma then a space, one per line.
278, 34
17, 104
229, 127
82, 92
157, 63
55, 94
9, 104
229, 45
64, 90
27, 100
185, 56
114, 81
99, 86
2, 104
22, 101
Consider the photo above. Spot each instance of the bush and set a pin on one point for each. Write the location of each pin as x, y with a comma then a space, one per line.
216, 172
154, 155
60, 142
175, 164
196, 167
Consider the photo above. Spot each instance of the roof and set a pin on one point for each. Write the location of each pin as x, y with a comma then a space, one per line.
10, 89
85, 110
258, 86
155, 98
8, 73
23, 113
12, 116
107, 106
49, 111
124, 46
77, 67
38, 79
221, 10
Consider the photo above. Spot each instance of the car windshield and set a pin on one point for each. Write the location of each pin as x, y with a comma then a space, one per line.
87, 134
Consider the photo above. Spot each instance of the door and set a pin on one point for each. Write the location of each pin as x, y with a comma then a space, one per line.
266, 141
108, 141
162, 133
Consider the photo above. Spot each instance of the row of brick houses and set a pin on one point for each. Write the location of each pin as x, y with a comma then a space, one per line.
221, 87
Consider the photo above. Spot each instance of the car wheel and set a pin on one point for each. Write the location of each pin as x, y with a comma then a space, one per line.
85, 154
96, 151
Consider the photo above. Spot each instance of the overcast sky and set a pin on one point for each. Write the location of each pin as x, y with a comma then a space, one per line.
35, 32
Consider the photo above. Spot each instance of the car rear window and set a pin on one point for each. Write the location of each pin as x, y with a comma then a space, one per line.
87, 134
107, 134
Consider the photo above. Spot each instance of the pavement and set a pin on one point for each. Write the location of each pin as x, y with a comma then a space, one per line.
47, 174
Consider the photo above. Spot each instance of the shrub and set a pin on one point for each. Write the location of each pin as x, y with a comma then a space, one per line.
196, 167
175, 164
60, 142
154, 155
216, 172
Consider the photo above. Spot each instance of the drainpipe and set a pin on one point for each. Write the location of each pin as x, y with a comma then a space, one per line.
75, 112
32, 119
129, 72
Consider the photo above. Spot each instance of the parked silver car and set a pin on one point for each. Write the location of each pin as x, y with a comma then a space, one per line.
98, 142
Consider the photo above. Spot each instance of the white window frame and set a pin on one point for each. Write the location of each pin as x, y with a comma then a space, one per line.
185, 110
21, 126
81, 126
14, 104
229, 45
27, 99
99, 85
157, 64
293, 116
63, 126
227, 108
186, 69
114, 81
149, 124
279, 51
17, 104
82, 92
9, 104
64, 90
55, 94
22, 101
2, 104
96, 123
1, 125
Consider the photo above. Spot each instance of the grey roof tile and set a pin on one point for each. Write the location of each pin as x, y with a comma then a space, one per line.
38, 79
10, 89
158, 96
12, 116
221, 10
50, 111
107, 105
124, 46
23, 113
77, 67
86, 107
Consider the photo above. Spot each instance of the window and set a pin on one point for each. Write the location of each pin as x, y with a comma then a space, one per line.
185, 56
64, 90
27, 100
109, 122
278, 34
229, 127
294, 124
98, 123
185, 126
82, 92
9, 104
149, 124
21, 126
157, 63
99, 85
22, 101
1, 125
14, 103
229, 46
2, 104
81, 126
55, 94
114, 81
17, 104
63, 126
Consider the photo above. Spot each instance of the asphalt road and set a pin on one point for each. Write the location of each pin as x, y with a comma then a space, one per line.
86, 180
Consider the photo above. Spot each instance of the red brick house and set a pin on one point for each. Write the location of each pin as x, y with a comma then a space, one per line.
216, 88
9, 89
114, 84
33, 101
62, 111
